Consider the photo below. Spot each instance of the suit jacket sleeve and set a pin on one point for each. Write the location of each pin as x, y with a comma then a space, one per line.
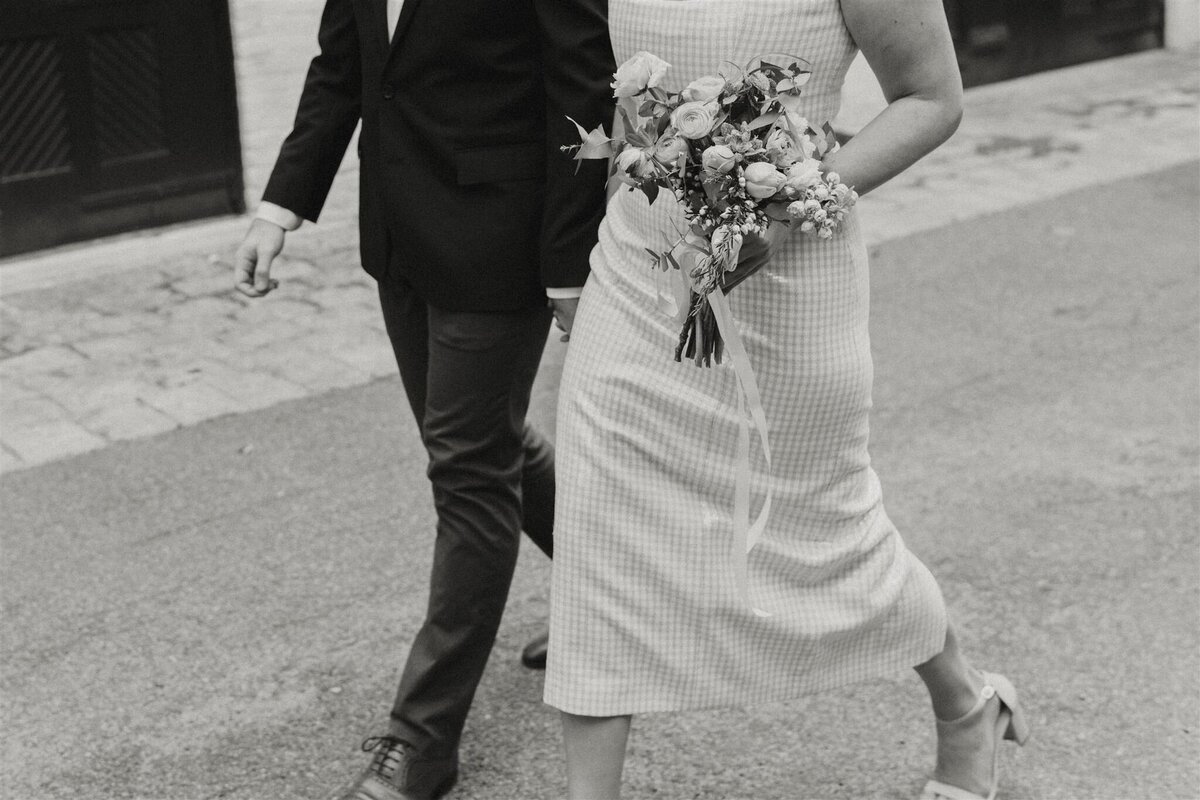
578, 65
329, 110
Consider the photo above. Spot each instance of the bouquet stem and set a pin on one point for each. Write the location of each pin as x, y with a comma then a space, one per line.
700, 339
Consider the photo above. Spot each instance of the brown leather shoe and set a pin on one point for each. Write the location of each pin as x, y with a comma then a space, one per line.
398, 773
534, 654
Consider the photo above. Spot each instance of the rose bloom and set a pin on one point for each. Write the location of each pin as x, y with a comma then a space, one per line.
633, 163
719, 159
762, 180
804, 174
670, 149
642, 71
695, 120
703, 89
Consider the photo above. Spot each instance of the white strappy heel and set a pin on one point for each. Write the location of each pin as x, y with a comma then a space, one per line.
1010, 724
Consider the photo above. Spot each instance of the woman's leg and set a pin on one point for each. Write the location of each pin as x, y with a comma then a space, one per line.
953, 684
595, 755
965, 756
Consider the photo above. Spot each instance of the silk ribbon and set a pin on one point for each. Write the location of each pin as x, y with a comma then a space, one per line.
746, 534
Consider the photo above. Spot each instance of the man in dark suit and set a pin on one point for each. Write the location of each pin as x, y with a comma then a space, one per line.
470, 217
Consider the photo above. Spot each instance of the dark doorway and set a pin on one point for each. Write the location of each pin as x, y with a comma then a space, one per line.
114, 115
1000, 39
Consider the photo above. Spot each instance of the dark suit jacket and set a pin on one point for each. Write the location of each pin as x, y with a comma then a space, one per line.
464, 191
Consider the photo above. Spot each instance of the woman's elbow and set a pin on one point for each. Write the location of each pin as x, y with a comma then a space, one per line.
950, 112
954, 115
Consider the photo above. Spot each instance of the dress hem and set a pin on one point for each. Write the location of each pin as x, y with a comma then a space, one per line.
908, 659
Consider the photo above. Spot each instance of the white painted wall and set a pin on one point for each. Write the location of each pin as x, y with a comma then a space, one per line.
1182, 28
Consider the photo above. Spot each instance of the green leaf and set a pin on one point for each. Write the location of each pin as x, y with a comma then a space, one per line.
663, 123
791, 102
763, 120
638, 139
777, 212
629, 126
651, 190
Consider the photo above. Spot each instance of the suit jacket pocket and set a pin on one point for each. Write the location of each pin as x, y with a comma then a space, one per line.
502, 162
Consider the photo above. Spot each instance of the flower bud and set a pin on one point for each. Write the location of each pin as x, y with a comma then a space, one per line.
762, 180
704, 89
719, 159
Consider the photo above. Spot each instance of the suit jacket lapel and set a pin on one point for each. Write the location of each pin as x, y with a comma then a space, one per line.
407, 9
376, 21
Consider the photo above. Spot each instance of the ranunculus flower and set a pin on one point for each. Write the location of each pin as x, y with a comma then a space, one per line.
704, 89
695, 120
642, 71
762, 180
804, 174
633, 163
719, 159
670, 149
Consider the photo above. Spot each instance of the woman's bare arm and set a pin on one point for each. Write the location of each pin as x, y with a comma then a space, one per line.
908, 45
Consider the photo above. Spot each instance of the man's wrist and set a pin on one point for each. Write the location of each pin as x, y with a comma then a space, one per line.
564, 292
270, 212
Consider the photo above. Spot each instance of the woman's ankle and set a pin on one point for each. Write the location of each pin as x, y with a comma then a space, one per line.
957, 695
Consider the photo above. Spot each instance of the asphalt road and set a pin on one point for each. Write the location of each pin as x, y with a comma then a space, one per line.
221, 611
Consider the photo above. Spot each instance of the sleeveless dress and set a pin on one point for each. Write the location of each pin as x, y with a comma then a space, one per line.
645, 613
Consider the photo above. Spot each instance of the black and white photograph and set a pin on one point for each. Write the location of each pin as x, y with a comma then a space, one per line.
600, 399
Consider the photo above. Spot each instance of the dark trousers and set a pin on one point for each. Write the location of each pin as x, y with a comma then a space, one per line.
468, 378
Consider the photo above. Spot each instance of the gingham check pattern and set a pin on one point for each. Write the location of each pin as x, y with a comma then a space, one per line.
644, 614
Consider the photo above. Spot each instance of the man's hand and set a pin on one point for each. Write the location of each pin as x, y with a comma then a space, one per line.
564, 314
252, 264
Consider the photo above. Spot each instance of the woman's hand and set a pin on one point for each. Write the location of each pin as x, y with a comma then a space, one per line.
564, 314
756, 252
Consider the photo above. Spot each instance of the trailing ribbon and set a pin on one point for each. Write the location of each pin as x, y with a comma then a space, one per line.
750, 412
745, 534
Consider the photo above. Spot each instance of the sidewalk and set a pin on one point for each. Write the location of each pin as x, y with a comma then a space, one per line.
154, 338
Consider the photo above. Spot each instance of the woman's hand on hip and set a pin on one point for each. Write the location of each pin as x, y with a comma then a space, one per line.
564, 314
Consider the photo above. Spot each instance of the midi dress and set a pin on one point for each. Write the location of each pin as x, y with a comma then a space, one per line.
645, 610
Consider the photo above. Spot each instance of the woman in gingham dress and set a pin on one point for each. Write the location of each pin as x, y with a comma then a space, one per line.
645, 610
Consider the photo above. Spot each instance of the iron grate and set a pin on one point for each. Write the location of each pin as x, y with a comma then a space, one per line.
34, 135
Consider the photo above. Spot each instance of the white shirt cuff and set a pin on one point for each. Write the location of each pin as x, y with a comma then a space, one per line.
564, 292
288, 220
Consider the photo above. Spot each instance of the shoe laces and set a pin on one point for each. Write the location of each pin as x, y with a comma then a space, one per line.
390, 754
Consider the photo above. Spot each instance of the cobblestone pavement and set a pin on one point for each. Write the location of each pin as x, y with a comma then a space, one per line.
143, 334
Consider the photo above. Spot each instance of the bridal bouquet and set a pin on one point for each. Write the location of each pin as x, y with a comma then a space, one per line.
734, 151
